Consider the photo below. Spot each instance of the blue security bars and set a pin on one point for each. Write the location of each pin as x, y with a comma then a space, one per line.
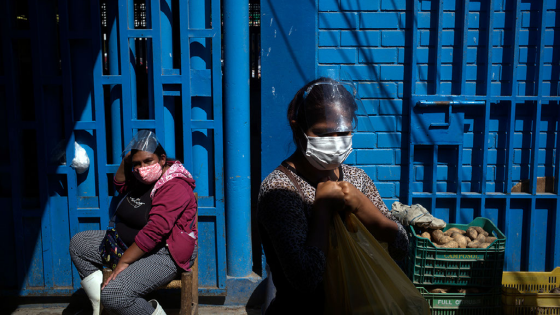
94, 72
484, 116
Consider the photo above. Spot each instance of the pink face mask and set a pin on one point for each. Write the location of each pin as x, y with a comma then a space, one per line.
148, 174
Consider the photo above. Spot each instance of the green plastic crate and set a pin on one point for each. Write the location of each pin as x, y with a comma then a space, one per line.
429, 265
487, 303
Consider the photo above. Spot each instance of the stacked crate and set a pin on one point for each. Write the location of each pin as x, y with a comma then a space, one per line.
472, 269
525, 293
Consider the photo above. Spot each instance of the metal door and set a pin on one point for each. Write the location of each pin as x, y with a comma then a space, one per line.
484, 118
94, 72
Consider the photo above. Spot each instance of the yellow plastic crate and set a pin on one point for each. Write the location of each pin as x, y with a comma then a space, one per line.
520, 292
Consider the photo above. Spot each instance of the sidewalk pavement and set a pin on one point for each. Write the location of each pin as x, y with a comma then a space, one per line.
202, 310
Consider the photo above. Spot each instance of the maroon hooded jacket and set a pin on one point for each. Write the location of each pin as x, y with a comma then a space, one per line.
172, 217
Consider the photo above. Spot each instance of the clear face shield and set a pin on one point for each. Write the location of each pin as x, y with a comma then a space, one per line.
334, 107
144, 140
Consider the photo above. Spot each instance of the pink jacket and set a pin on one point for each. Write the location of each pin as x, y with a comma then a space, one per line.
172, 217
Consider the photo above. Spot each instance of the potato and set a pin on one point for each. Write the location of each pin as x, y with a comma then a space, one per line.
460, 239
481, 238
426, 235
555, 290
438, 290
473, 244
472, 233
454, 230
480, 230
437, 235
439, 238
490, 239
484, 245
451, 244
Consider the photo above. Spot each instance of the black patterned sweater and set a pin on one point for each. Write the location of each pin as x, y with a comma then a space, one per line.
297, 269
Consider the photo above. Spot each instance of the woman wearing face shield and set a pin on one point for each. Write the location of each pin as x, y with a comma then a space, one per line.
298, 200
155, 219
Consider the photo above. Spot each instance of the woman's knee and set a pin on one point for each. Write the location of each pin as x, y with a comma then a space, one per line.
83, 243
116, 297
77, 243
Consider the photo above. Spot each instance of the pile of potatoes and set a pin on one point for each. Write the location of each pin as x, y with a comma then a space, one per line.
473, 237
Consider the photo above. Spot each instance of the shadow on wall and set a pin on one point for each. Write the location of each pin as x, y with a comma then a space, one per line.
51, 53
377, 89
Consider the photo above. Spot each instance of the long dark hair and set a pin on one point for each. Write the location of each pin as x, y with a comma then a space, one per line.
160, 151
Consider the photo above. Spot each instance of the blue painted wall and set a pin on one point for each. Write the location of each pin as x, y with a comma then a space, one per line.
372, 41
288, 38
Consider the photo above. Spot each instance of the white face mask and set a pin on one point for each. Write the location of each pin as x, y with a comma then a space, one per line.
327, 153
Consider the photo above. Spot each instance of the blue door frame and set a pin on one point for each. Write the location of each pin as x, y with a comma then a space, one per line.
54, 89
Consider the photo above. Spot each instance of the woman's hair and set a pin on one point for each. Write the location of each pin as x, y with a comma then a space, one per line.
159, 151
315, 102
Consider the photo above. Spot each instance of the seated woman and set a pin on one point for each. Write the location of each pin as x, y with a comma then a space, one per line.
156, 220
298, 199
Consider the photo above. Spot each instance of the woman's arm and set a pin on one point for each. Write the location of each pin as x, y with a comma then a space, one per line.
298, 243
379, 220
168, 204
132, 254
381, 227
328, 200
124, 171
170, 201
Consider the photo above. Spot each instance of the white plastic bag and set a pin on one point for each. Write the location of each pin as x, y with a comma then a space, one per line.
80, 163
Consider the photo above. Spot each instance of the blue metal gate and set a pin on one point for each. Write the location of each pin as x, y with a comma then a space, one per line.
95, 72
484, 116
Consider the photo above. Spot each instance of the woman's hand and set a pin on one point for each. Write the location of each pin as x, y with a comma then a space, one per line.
132, 254
120, 267
353, 198
381, 227
329, 196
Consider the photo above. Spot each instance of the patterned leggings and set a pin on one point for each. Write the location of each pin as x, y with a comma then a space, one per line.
123, 295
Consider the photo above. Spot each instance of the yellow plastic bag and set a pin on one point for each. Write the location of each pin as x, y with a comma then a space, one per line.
361, 277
